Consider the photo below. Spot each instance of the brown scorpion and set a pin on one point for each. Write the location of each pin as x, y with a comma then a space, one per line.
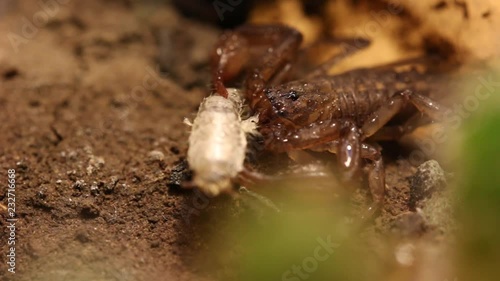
336, 113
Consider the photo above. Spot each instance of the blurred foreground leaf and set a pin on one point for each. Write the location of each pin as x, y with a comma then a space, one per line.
479, 182
309, 239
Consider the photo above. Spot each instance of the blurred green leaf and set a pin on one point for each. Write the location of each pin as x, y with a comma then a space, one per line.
479, 193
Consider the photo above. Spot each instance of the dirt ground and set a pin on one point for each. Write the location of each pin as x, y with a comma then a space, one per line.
92, 99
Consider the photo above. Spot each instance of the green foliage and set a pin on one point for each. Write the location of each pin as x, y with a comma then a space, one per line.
479, 193
307, 240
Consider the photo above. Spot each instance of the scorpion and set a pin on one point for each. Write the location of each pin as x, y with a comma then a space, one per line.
335, 113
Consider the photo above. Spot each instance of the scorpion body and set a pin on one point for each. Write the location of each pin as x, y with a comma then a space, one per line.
352, 96
336, 113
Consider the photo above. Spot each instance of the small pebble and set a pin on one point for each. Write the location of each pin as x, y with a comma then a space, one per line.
428, 179
430, 197
156, 155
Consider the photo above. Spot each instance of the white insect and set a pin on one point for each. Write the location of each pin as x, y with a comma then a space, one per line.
218, 144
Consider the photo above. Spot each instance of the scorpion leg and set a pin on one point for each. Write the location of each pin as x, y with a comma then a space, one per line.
349, 151
356, 150
375, 169
388, 133
343, 138
376, 176
396, 132
376, 172
385, 113
250, 177
347, 50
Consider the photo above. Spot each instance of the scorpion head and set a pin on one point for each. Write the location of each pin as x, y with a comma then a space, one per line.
288, 104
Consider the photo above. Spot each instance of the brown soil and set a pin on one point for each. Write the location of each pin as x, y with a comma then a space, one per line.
92, 129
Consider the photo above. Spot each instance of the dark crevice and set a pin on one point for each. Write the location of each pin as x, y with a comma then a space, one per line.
10, 74
440, 5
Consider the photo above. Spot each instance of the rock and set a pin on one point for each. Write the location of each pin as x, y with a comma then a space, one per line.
428, 179
429, 196
156, 156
